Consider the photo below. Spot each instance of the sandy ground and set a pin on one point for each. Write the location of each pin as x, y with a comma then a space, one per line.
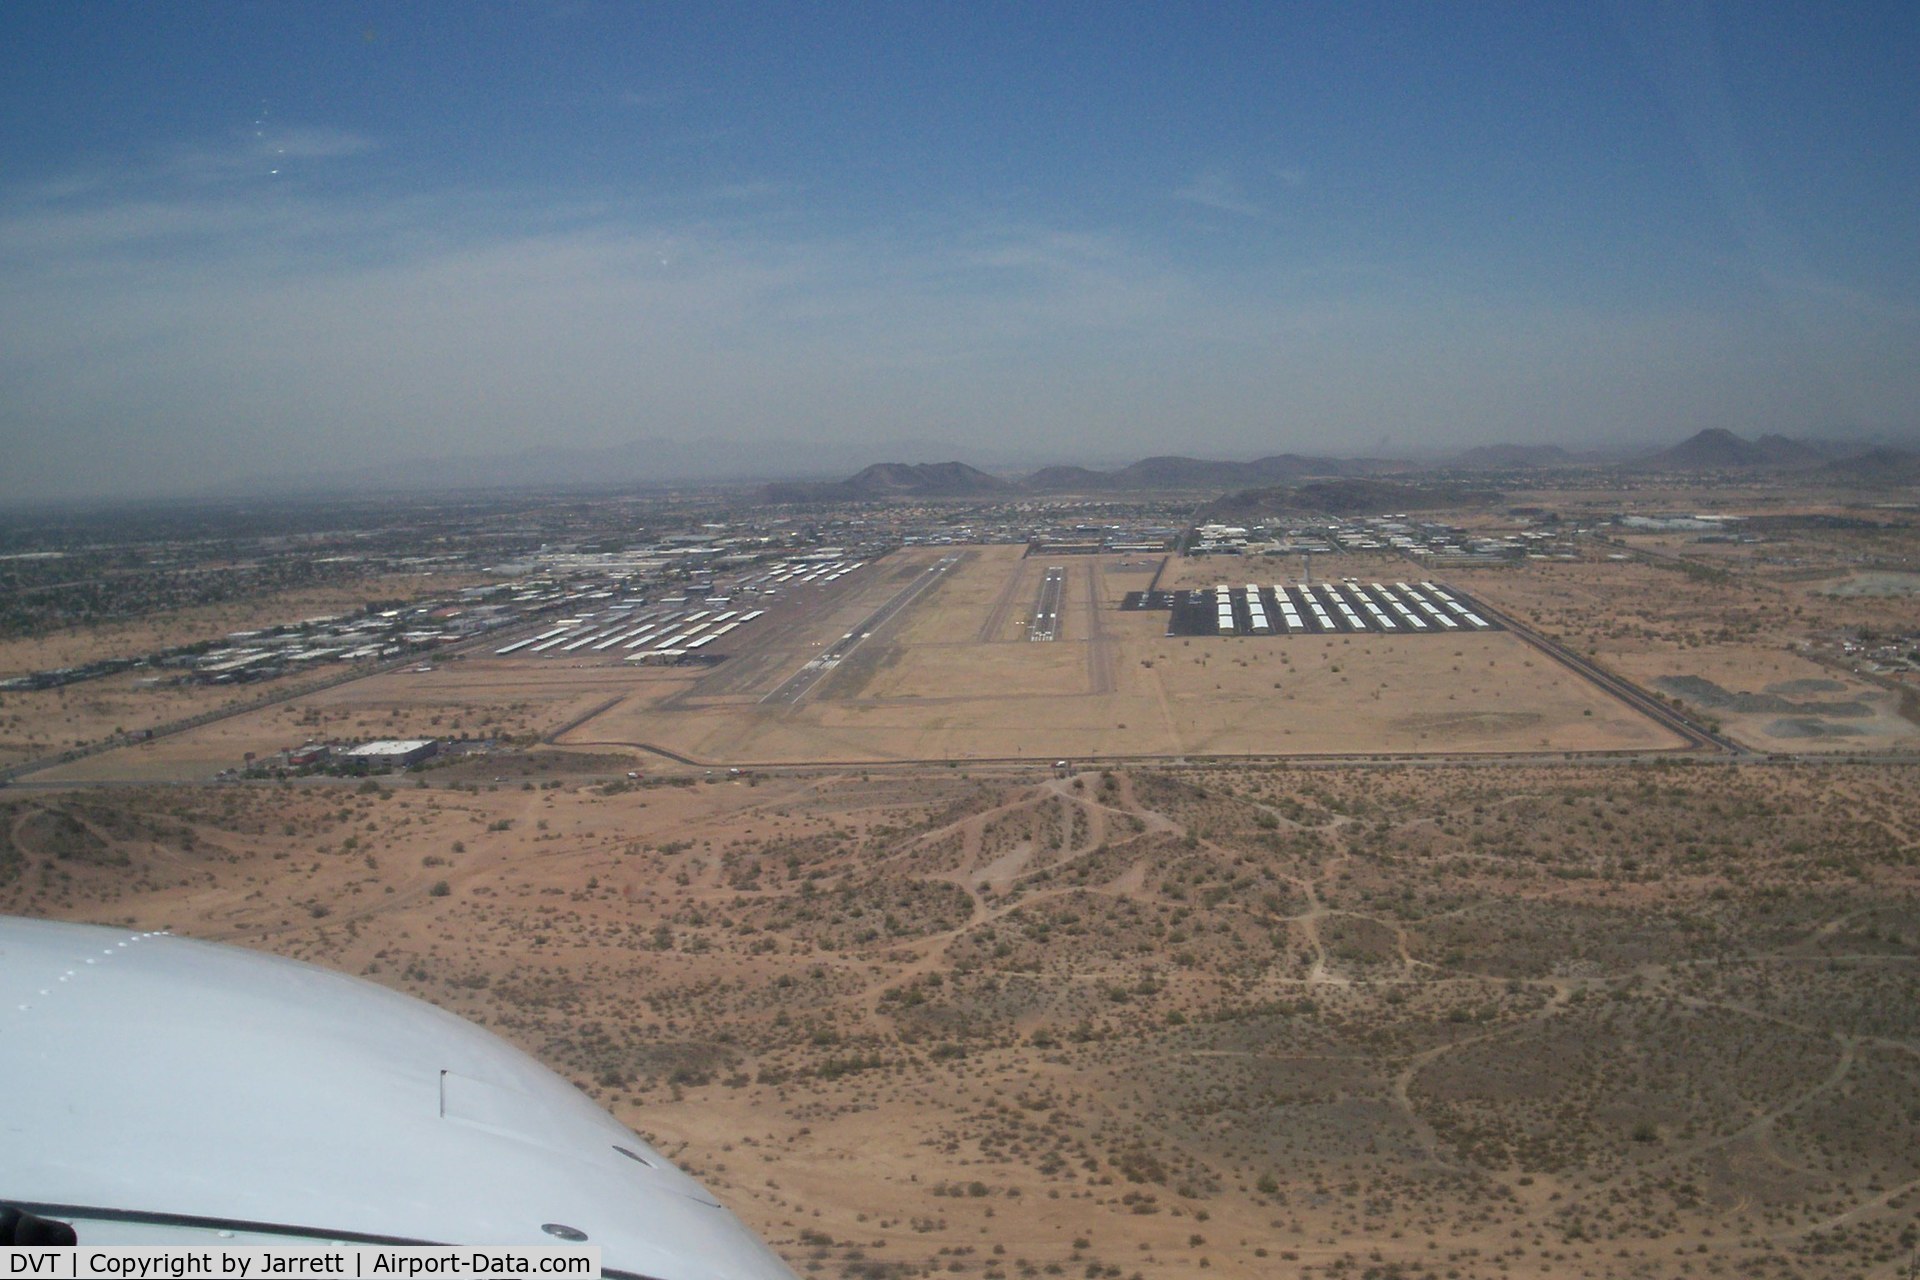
41, 722
1498, 1021
1746, 632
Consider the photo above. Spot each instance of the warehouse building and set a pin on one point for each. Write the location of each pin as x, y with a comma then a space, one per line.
392, 754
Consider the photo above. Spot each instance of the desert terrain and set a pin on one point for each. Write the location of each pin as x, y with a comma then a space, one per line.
1625, 1020
1740, 634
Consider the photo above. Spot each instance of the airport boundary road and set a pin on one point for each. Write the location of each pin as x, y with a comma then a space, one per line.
1572, 759
137, 738
1024, 765
553, 736
1698, 736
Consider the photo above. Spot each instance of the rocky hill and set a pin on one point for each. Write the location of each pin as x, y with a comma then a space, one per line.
1346, 497
894, 480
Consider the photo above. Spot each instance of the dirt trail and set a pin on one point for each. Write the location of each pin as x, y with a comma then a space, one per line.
1402, 1091
1000, 874
1852, 1215
1762, 1123
1309, 922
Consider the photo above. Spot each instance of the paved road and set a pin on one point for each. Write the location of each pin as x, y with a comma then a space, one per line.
1698, 736
1021, 765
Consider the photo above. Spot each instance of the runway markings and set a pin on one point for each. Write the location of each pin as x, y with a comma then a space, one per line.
1046, 608
798, 685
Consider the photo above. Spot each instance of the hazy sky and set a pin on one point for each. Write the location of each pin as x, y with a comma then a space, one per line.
253, 239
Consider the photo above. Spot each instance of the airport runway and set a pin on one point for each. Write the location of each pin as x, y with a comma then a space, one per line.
801, 683
996, 621
754, 667
1100, 656
1046, 608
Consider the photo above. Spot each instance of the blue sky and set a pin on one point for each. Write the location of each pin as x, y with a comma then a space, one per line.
262, 239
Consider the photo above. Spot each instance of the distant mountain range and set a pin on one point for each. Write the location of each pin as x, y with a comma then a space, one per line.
1291, 477
1158, 474
651, 462
1194, 473
801, 472
1717, 449
1338, 495
1500, 457
1348, 497
1883, 466
895, 480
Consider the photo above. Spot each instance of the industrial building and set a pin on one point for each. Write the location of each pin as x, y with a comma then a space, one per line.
392, 754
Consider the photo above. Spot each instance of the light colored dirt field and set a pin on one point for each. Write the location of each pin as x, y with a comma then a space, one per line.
999, 600
45, 721
939, 673
1753, 670
1488, 1021
1391, 694
1199, 572
474, 698
1744, 632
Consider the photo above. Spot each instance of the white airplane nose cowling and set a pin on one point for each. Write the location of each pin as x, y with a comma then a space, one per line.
178, 1089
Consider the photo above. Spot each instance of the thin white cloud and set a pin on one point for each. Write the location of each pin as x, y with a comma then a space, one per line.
1851, 300
313, 144
247, 155
1216, 189
203, 331
1044, 249
751, 192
